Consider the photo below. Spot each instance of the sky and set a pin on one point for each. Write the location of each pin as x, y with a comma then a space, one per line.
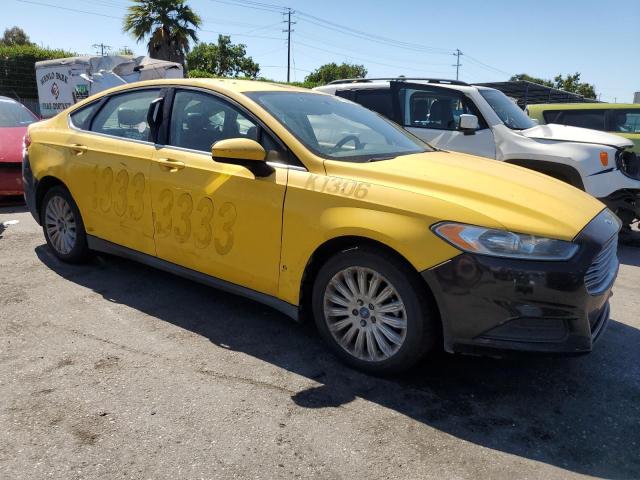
598, 38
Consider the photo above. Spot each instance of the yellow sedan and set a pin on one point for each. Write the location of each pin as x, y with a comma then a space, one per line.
323, 209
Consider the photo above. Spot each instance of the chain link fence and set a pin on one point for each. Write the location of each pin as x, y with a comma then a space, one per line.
18, 81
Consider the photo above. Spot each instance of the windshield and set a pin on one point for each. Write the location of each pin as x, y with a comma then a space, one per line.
508, 111
338, 129
13, 114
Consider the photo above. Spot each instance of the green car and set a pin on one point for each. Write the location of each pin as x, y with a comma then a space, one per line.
620, 118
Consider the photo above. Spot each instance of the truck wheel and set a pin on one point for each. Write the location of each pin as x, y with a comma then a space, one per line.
373, 312
63, 227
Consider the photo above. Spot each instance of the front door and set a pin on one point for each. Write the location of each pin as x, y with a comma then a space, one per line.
433, 114
216, 218
109, 171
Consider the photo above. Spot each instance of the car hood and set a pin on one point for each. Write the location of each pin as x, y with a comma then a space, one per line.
515, 198
565, 133
11, 139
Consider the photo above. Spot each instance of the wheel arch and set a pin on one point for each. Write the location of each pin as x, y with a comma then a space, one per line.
559, 171
341, 243
44, 185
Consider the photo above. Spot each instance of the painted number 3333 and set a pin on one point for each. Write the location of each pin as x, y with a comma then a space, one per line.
178, 216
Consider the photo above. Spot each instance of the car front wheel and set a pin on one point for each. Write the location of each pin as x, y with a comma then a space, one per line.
373, 311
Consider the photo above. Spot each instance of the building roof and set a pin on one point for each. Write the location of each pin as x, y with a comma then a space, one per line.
528, 93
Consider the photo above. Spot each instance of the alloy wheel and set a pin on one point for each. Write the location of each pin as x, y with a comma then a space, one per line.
365, 314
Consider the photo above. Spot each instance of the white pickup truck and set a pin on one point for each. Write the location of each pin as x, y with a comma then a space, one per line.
453, 115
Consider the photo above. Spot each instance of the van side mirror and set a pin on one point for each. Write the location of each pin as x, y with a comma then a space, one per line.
468, 124
242, 151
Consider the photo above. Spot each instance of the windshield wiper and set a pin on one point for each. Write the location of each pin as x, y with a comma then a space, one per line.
378, 159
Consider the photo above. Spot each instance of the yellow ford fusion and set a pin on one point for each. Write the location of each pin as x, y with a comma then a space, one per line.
323, 209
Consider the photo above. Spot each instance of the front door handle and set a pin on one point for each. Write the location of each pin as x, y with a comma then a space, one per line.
78, 149
171, 164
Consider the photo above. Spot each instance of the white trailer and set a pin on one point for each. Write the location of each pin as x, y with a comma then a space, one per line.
65, 81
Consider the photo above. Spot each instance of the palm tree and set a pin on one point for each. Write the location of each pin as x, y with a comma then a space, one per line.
169, 24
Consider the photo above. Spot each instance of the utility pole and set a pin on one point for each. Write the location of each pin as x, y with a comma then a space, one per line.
288, 31
102, 47
457, 64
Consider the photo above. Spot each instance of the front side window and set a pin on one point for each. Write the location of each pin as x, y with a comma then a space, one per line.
338, 129
625, 121
436, 109
14, 114
508, 111
198, 120
125, 115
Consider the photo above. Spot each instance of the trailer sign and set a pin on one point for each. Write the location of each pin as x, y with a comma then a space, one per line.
59, 87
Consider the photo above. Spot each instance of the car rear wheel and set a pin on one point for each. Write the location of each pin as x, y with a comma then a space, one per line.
63, 226
372, 310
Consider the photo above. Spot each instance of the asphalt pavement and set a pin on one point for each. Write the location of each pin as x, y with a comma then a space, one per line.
115, 370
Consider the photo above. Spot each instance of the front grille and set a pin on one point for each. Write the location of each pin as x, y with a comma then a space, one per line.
604, 268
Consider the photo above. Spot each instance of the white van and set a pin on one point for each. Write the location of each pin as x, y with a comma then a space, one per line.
453, 115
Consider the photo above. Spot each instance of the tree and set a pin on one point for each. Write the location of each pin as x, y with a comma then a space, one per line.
124, 51
169, 24
223, 59
571, 84
332, 71
15, 36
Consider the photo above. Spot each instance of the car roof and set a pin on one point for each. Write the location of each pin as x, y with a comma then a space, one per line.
222, 84
581, 106
366, 84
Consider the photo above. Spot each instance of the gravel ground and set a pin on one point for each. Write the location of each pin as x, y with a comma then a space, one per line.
114, 370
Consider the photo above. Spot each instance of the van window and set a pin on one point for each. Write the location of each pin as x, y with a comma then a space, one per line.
593, 119
625, 121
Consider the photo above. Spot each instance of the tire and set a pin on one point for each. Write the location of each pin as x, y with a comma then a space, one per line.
63, 227
409, 315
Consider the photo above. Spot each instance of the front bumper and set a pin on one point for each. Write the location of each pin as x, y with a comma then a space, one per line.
10, 179
489, 304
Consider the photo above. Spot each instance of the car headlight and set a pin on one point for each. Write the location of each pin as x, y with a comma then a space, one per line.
501, 243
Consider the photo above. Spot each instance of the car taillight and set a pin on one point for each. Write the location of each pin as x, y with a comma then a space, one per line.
27, 140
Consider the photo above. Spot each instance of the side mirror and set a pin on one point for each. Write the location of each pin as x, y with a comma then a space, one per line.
468, 124
242, 151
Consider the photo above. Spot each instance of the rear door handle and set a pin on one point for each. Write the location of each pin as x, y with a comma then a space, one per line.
171, 164
78, 149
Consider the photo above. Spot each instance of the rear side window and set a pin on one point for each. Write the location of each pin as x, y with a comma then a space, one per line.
594, 119
125, 115
80, 118
377, 100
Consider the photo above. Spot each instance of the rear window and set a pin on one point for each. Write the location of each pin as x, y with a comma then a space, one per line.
14, 114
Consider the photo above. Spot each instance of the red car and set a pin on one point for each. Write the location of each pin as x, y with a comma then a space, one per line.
14, 119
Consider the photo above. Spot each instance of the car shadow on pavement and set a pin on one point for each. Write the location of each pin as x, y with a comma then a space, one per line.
577, 413
629, 255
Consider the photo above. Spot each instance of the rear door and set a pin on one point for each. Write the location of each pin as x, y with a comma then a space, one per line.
433, 114
110, 156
